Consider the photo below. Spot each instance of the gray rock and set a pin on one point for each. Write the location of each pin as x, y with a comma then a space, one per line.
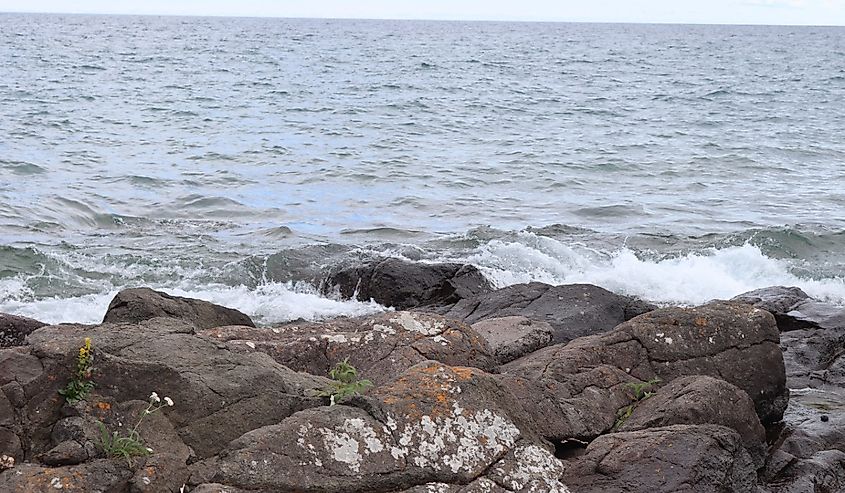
814, 357
380, 347
700, 458
139, 304
433, 424
824, 472
510, 338
403, 285
698, 400
95, 476
14, 329
731, 341
794, 309
573, 310
805, 432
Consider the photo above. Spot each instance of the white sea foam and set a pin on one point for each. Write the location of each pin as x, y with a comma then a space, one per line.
268, 304
692, 278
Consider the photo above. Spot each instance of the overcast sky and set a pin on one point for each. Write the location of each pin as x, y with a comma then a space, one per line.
813, 12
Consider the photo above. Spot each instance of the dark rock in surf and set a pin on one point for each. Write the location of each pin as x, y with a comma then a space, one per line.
794, 309
139, 304
403, 285
14, 329
573, 310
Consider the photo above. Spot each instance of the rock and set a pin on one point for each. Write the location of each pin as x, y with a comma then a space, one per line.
139, 304
433, 424
380, 347
573, 310
64, 454
731, 341
794, 309
696, 400
814, 357
99, 475
219, 394
14, 329
805, 433
824, 472
700, 458
510, 338
403, 285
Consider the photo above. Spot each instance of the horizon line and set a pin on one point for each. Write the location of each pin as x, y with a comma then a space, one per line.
532, 21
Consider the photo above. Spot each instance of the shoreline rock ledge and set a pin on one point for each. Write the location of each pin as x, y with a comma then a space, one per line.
672, 399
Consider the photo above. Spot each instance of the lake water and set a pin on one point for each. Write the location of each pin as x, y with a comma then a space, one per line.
236, 160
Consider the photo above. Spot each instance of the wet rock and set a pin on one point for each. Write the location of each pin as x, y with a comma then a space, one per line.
814, 357
573, 310
433, 424
510, 338
731, 341
700, 458
139, 304
794, 309
403, 285
805, 433
219, 394
381, 347
824, 472
14, 329
697, 400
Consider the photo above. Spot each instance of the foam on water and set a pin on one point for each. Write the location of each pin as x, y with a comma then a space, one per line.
270, 303
691, 278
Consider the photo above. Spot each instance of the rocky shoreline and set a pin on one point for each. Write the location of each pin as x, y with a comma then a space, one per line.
529, 388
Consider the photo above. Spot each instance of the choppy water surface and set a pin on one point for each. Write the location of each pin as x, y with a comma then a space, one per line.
237, 159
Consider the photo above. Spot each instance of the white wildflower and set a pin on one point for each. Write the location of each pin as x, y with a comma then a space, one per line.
169, 401
154, 397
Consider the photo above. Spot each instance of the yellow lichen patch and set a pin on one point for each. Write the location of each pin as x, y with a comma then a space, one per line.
463, 372
700, 322
103, 406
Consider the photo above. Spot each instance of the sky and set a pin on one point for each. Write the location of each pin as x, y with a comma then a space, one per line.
801, 12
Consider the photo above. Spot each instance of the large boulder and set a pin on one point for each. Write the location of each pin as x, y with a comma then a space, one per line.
14, 329
697, 400
220, 394
139, 304
573, 310
434, 424
731, 341
510, 338
688, 458
403, 285
380, 347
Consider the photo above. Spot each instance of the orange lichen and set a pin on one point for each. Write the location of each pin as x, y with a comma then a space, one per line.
103, 406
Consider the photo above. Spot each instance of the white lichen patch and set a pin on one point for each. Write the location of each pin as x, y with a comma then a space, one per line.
384, 329
411, 323
458, 442
440, 339
349, 443
531, 465
667, 340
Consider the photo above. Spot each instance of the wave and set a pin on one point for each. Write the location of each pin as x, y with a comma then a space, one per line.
684, 278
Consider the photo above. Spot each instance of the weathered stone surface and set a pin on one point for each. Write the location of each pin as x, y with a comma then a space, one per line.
698, 400
794, 309
699, 458
434, 424
139, 304
732, 341
510, 338
99, 475
814, 357
219, 394
402, 285
824, 472
381, 347
814, 422
573, 310
14, 329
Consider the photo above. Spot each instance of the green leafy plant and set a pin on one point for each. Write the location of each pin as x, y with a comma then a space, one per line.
641, 391
345, 383
80, 384
129, 446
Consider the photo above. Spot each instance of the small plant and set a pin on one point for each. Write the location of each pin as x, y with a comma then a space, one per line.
345, 384
80, 384
642, 391
131, 445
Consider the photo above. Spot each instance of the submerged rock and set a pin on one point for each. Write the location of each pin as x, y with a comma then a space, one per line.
403, 285
573, 310
139, 304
